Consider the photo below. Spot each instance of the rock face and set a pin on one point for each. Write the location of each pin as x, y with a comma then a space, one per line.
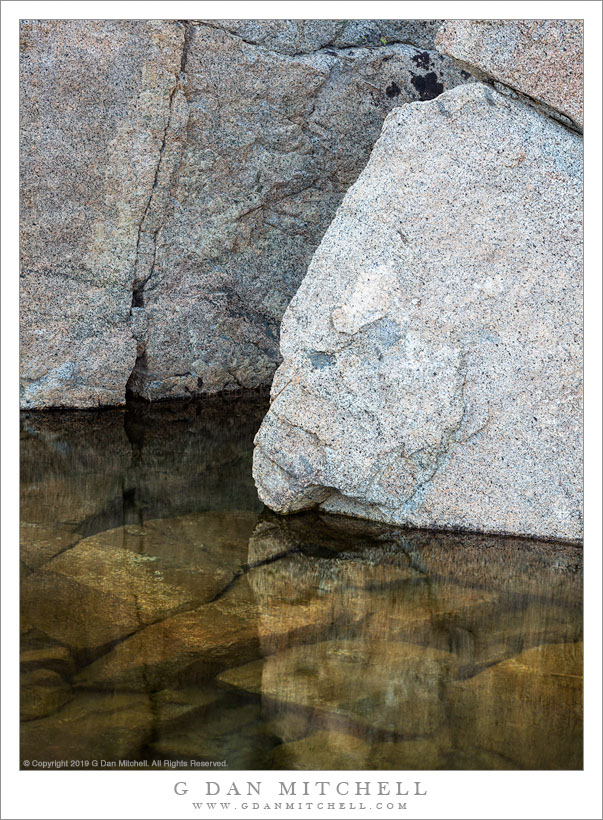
96, 100
176, 179
542, 59
295, 37
432, 355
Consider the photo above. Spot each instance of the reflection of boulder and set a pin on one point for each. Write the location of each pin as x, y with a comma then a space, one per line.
388, 625
484, 598
323, 581
387, 687
550, 570
189, 457
85, 472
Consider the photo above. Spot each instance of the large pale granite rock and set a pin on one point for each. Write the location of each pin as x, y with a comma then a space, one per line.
273, 142
432, 371
542, 59
177, 179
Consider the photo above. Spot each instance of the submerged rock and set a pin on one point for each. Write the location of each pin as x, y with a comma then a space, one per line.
73, 613
233, 734
42, 692
162, 566
432, 355
189, 647
338, 750
93, 726
323, 750
527, 709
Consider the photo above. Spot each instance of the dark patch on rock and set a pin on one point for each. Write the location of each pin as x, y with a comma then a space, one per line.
422, 59
427, 85
387, 332
392, 90
465, 74
320, 359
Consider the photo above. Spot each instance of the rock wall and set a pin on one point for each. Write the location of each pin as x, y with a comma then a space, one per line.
432, 355
176, 179
96, 97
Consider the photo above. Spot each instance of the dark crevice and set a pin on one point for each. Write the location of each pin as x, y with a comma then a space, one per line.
327, 48
139, 283
509, 91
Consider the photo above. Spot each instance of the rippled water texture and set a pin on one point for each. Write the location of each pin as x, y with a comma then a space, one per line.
168, 617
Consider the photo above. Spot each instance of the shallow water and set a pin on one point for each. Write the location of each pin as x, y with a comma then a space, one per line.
168, 619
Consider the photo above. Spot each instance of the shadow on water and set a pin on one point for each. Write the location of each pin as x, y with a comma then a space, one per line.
168, 619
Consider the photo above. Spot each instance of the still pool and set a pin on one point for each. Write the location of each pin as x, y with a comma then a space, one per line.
168, 617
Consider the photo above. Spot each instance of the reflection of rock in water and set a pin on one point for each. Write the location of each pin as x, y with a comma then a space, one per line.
409, 636
83, 472
162, 620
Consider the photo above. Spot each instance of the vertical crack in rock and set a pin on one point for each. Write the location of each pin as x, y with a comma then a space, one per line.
151, 223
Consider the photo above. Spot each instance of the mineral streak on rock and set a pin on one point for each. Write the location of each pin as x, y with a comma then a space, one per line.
445, 299
177, 178
542, 59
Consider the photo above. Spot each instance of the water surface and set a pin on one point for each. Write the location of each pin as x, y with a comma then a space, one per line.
168, 619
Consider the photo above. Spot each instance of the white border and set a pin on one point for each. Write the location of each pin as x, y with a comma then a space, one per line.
122, 794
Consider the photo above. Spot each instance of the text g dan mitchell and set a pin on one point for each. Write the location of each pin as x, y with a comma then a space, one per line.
307, 788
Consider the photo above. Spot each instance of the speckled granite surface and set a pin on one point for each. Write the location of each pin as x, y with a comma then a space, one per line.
432, 355
176, 180
540, 58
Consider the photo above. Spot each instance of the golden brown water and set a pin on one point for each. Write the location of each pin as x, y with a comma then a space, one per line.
168, 618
